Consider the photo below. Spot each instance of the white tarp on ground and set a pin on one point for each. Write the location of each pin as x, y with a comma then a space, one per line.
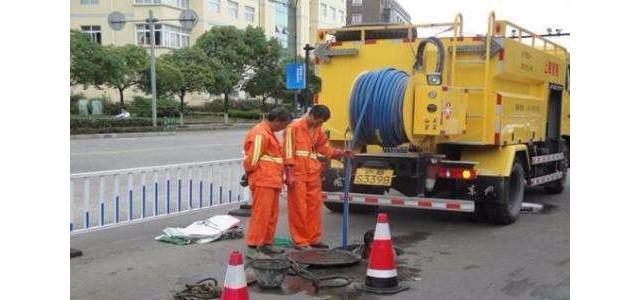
200, 232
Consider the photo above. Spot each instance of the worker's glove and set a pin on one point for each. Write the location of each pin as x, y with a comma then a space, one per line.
339, 153
244, 180
288, 176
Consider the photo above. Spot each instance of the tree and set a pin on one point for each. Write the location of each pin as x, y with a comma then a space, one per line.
226, 51
183, 71
264, 62
265, 83
90, 63
132, 60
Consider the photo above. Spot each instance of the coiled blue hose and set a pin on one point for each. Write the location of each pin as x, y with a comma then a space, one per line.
376, 103
382, 118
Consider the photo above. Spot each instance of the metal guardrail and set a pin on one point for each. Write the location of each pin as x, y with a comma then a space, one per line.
106, 199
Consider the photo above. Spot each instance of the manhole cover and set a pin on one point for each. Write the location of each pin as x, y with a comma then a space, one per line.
325, 257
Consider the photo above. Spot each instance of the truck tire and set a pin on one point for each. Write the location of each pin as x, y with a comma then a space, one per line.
353, 208
509, 198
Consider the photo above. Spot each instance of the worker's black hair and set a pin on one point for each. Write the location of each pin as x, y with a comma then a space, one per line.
279, 114
320, 111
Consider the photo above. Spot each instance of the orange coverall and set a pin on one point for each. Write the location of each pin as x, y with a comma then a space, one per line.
263, 165
304, 199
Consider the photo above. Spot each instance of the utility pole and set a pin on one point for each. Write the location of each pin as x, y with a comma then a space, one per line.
307, 97
294, 6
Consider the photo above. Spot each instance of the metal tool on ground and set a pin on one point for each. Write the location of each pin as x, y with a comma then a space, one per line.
325, 258
270, 274
531, 207
75, 252
235, 282
382, 275
204, 289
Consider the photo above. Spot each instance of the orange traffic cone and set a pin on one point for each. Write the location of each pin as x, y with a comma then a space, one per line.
382, 276
235, 282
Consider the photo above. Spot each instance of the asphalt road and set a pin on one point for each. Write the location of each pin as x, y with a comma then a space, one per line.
446, 256
90, 155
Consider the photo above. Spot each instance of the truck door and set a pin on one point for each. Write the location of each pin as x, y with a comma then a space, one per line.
554, 111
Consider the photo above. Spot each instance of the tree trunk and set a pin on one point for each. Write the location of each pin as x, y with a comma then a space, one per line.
121, 91
226, 109
182, 94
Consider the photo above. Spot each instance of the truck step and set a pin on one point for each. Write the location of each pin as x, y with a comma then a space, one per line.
401, 201
546, 178
535, 160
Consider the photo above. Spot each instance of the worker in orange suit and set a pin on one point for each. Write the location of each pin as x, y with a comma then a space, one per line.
303, 141
263, 164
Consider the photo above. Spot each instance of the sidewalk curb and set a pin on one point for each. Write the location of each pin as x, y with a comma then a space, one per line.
193, 127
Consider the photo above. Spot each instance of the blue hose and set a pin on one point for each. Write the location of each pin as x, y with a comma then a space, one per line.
383, 117
376, 103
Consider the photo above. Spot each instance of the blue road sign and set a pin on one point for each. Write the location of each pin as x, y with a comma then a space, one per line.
296, 76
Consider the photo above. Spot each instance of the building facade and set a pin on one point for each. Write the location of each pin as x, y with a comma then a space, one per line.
376, 12
276, 17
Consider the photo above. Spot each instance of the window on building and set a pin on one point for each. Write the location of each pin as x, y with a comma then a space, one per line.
333, 13
89, 2
94, 32
340, 16
356, 2
165, 36
232, 9
214, 5
176, 3
323, 9
356, 18
249, 14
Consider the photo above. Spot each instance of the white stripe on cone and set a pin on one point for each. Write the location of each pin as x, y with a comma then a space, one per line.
382, 232
235, 278
382, 273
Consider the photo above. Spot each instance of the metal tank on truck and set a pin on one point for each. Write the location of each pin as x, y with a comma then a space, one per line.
456, 123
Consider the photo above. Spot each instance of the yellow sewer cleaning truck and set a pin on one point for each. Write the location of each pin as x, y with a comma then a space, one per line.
456, 123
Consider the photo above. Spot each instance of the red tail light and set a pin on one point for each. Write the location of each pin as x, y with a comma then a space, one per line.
457, 173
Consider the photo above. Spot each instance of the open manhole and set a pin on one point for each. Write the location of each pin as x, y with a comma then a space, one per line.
325, 258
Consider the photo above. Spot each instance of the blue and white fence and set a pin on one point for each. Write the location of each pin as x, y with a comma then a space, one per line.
104, 199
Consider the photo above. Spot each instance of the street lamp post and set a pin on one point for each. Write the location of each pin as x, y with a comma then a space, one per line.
152, 27
188, 19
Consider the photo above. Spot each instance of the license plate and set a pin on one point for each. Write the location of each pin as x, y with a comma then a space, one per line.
368, 176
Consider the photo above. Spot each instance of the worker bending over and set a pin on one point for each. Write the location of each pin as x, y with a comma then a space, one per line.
263, 164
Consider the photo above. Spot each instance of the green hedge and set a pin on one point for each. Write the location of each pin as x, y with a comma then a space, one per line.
92, 122
245, 114
165, 107
113, 130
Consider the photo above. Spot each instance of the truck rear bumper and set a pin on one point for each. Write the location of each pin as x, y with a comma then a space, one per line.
401, 201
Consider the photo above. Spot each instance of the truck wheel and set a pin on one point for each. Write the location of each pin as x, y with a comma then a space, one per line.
353, 208
509, 198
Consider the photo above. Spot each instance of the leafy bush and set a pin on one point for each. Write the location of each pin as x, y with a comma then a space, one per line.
76, 97
106, 122
74, 109
244, 104
245, 114
165, 107
214, 106
111, 108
